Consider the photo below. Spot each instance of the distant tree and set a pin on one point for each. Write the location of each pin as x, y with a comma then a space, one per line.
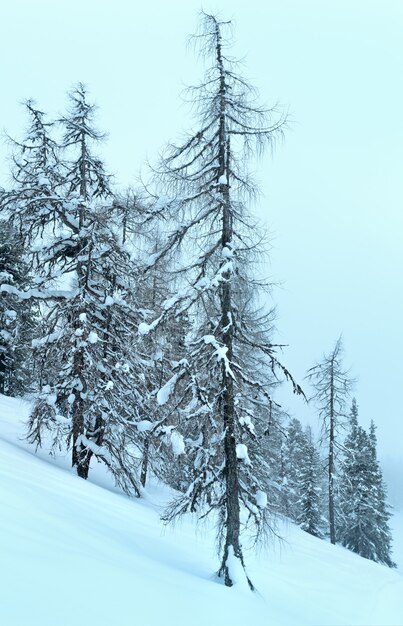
363, 526
294, 449
273, 442
220, 383
384, 539
309, 503
332, 386
17, 317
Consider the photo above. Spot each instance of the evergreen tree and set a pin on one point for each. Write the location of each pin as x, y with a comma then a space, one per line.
17, 318
220, 382
332, 386
293, 451
364, 513
272, 440
384, 538
309, 503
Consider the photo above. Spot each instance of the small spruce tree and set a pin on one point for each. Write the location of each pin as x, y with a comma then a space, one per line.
309, 503
363, 526
293, 460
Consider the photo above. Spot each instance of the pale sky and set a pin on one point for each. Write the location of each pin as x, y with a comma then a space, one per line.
332, 192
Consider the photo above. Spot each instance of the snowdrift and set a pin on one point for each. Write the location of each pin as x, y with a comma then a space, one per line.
75, 553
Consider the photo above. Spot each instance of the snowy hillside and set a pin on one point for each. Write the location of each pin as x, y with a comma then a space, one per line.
77, 553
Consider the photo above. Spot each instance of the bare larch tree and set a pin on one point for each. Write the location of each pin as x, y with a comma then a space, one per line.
225, 380
332, 385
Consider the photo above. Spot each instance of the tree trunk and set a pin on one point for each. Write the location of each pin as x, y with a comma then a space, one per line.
232, 520
3, 371
232, 508
144, 462
80, 457
331, 462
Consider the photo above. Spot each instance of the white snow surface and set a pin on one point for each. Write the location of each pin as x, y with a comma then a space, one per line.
78, 552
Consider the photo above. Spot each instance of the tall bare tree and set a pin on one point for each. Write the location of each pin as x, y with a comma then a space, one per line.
332, 387
225, 378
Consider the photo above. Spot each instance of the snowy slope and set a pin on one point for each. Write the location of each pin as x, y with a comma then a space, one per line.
75, 553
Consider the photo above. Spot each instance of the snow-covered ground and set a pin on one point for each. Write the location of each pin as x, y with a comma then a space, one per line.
75, 553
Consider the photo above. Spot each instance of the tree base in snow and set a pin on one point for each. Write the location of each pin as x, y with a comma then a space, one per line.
232, 570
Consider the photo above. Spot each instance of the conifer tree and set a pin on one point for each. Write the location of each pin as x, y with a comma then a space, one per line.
384, 535
17, 318
294, 449
364, 516
273, 441
220, 382
309, 503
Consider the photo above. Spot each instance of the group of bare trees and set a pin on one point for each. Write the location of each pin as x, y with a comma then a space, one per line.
112, 385
152, 351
